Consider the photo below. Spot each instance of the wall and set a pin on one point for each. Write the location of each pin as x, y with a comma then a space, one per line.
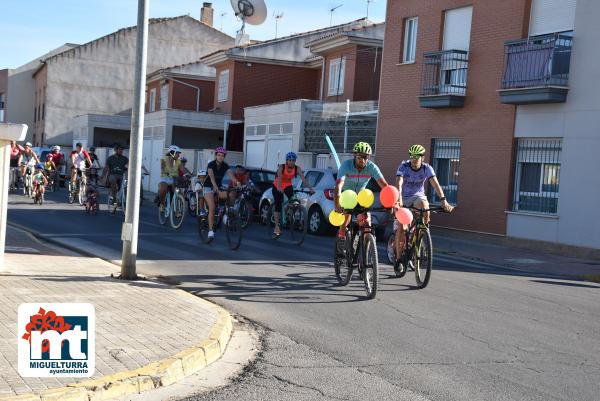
184, 98
349, 52
3, 91
39, 105
368, 73
577, 121
97, 78
226, 106
484, 125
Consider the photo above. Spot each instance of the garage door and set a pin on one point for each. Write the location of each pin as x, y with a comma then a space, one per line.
255, 154
276, 152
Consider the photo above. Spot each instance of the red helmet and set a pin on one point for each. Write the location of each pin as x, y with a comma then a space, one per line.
220, 149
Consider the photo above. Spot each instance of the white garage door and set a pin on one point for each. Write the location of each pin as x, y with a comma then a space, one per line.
255, 153
277, 150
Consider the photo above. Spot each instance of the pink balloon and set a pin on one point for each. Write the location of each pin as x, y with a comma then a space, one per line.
389, 196
404, 216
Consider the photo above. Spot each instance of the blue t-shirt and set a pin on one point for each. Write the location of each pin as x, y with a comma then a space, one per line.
414, 181
357, 180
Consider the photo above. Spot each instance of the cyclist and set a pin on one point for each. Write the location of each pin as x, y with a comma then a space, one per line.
15, 153
95, 164
355, 174
115, 167
28, 159
39, 179
216, 170
283, 186
410, 179
57, 157
79, 158
243, 178
49, 165
170, 168
199, 188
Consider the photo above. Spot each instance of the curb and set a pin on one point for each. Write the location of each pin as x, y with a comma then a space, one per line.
154, 375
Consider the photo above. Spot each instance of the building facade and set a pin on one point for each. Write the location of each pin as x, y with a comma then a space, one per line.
499, 93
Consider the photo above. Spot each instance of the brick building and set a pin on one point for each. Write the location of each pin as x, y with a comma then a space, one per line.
483, 85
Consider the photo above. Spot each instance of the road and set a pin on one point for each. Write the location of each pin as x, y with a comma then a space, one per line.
477, 332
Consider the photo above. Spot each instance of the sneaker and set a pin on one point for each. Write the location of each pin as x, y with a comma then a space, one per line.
203, 213
211, 234
225, 219
161, 207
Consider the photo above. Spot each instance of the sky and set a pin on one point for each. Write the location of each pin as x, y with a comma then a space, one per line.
31, 28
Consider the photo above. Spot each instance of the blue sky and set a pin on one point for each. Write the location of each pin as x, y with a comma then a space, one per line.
30, 28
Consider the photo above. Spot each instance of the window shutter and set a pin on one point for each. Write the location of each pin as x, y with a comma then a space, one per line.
457, 28
550, 16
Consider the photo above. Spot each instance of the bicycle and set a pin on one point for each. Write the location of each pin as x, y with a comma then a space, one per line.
243, 206
91, 202
174, 208
229, 217
358, 249
28, 182
294, 216
418, 251
79, 190
38, 195
121, 197
52, 180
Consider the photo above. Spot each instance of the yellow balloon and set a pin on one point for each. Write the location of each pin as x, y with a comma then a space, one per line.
366, 198
336, 219
348, 199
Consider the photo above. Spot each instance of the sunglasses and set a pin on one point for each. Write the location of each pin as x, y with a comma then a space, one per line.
362, 156
415, 157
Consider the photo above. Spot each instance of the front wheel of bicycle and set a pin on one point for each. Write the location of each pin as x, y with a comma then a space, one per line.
298, 224
71, 194
81, 194
245, 213
233, 230
342, 262
203, 228
177, 211
422, 259
163, 214
370, 265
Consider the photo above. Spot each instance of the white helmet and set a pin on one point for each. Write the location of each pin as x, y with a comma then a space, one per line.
28, 144
56, 147
174, 148
202, 172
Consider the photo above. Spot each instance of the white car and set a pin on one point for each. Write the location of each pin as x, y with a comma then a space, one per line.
320, 204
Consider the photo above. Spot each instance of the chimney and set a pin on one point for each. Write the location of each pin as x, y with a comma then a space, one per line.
206, 14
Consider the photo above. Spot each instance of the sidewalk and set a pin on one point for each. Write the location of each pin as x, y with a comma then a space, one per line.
517, 258
147, 334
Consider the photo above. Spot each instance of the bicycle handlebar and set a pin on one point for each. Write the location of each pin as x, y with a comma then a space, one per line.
433, 209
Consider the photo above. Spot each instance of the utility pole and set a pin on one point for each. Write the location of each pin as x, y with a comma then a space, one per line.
331, 14
129, 233
222, 15
277, 16
368, 5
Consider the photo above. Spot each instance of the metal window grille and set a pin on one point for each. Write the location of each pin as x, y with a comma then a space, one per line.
537, 61
250, 130
445, 72
261, 129
446, 163
537, 175
287, 128
274, 129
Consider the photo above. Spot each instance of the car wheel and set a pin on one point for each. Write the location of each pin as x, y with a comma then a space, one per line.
264, 210
316, 221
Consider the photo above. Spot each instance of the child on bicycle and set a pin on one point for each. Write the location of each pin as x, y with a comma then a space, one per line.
91, 196
410, 179
49, 166
39, 179
199, 189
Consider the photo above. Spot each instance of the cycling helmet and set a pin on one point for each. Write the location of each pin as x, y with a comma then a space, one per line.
174, 149
39, 166
49, 156
362, 147
78, 144
202, 172
291, 156
183, 159
416, 150
220, 149
28, 144
92, 149
56, 147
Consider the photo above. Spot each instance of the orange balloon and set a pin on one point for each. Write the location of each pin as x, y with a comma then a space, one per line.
389, 196
404, 216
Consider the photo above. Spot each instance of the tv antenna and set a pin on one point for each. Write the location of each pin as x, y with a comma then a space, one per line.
331, 13
277, 17
368, 5
222, 15
253, 12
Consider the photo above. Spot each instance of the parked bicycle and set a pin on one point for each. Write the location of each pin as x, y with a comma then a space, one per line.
418, 250
226, 215
294, 216
78, 190
358, 250
174, 208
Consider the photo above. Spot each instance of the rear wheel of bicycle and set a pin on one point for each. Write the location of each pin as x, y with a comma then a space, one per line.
422, 259
342, 262
71, 194
245, 213
81, 194
233, 230
370, 265
163, 214
178, 211
270, 222
298, 223
41, 198
203, 228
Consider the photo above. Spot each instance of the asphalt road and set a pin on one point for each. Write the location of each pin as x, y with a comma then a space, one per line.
477, 332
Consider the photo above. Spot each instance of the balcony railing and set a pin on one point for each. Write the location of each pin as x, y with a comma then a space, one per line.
444, 81
536, 70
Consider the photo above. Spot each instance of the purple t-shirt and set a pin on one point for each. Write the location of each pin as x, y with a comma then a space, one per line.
414, 181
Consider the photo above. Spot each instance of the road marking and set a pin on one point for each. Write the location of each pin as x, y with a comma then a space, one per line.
20, 249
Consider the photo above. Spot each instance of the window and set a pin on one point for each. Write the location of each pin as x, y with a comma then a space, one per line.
537, 175
446, 163
313, 178
223, 92
337, 69
410, 39
2, 107
152, 106
164, 96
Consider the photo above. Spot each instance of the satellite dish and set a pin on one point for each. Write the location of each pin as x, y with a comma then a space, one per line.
253, 12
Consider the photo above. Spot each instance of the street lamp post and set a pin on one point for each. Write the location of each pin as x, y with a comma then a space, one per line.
129, 233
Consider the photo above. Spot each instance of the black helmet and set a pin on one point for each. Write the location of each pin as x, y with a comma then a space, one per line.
92, 149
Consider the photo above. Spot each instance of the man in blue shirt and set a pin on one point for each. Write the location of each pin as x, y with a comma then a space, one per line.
355, 174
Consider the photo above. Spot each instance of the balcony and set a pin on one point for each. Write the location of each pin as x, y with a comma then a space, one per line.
536, 70
444, 82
